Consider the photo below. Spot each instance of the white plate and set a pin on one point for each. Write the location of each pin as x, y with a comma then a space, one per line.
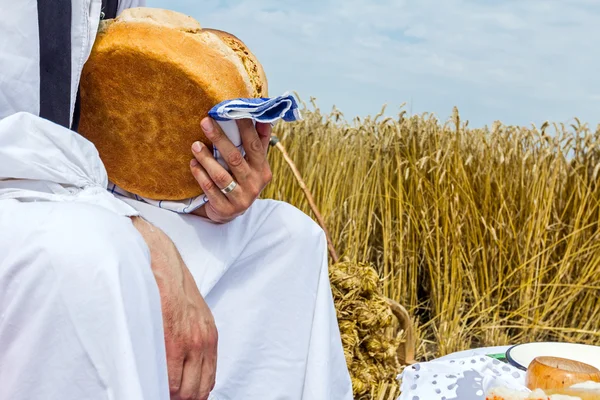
522, 355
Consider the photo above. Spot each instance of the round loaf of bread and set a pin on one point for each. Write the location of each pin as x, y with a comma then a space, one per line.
151, 78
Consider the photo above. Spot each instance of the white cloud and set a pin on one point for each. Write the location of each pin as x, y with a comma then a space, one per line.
520, 61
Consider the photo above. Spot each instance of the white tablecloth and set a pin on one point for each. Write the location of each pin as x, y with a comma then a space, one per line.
465, 375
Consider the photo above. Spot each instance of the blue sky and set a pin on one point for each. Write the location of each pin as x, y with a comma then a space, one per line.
518, 61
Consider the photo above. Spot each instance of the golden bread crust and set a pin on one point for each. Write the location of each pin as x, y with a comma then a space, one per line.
252, 65
161, 17
144, 90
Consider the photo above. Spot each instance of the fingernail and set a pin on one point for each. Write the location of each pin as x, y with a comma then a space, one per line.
194, 163
197, 147
207, 125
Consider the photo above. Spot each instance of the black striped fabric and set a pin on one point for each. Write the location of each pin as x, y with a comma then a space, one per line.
110, 8
54, 22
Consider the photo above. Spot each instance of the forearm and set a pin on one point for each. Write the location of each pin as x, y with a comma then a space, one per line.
166, 262
190, 332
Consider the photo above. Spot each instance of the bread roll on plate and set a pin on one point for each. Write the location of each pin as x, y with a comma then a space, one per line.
152, 76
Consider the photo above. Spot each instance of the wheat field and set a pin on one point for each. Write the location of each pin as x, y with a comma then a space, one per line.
487, 236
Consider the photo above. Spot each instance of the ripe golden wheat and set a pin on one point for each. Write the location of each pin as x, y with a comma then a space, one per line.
487, 236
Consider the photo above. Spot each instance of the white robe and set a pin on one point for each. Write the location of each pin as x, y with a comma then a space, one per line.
80, 311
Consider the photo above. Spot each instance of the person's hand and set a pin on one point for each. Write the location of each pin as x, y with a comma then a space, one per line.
251, 173
190, 331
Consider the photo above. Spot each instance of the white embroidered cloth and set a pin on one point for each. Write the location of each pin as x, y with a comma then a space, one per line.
467, 377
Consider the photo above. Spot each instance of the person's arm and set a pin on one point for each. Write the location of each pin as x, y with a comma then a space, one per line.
34, 149
190, 331
251, 174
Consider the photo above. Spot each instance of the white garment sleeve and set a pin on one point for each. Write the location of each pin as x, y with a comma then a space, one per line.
43, 161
